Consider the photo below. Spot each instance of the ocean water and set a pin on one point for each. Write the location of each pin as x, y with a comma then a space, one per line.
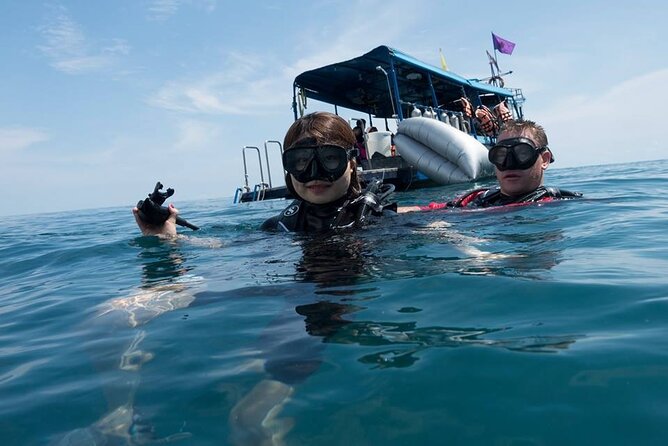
538, 325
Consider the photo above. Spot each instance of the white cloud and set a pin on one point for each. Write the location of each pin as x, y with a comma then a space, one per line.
160, 10
71, 52
163, 9
18, 138
355, 33
240, 89
195, 135
619, 125
261, 83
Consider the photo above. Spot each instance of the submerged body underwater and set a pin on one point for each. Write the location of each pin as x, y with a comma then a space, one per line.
536, 325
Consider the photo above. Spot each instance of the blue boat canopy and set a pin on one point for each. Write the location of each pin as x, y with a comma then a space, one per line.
385, 82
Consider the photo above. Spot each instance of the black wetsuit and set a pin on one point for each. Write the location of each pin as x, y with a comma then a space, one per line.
302, 216
483, 198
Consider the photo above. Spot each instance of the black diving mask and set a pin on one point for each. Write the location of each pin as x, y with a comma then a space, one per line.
515, 154
327, 162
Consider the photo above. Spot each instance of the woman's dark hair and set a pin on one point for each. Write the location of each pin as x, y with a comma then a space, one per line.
359, 134
317, 129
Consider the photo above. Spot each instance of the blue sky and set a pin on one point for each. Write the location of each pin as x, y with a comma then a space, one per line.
98, 100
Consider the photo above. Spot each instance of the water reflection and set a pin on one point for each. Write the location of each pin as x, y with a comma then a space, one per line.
161, 261
337, 269
407, 339
116, 346
321, 307
514, 246
330, 284
342, 259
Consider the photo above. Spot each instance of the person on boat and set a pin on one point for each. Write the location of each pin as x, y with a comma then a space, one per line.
361, 124
322, 176
520, 157
359, 144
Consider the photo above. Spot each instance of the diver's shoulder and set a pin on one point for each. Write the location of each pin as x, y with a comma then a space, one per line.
559, 193
285, 221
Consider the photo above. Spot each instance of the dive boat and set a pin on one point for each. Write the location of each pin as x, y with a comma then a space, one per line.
437, 125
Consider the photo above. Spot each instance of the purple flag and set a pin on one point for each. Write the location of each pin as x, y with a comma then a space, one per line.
504, 46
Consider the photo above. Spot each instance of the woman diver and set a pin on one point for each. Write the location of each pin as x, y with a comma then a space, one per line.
322, 177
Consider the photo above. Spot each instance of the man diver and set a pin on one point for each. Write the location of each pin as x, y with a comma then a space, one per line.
520, 158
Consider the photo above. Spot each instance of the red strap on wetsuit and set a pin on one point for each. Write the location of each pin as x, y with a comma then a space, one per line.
467, 199
433, 206
459, 202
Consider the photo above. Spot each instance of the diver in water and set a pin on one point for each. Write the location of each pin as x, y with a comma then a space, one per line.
322, 175
520, 158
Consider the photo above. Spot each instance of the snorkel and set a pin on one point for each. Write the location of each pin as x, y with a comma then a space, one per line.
152, 211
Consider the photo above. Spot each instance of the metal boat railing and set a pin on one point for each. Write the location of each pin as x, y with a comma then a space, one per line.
259, 190
266, 155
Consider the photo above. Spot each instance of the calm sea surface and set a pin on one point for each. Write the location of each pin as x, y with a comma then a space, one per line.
538, 325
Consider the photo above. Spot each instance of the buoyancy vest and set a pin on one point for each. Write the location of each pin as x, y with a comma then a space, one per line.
483, 198
302, 216
487, 120
467, 107
502, 112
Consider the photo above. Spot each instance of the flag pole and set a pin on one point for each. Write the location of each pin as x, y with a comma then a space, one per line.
494, 63
495, 55
491, 66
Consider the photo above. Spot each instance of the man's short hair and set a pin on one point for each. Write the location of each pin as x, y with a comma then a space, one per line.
536, 131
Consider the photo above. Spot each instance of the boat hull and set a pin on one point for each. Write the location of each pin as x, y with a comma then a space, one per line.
392, 170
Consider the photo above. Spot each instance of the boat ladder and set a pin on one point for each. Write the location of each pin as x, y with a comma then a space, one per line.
259, 189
